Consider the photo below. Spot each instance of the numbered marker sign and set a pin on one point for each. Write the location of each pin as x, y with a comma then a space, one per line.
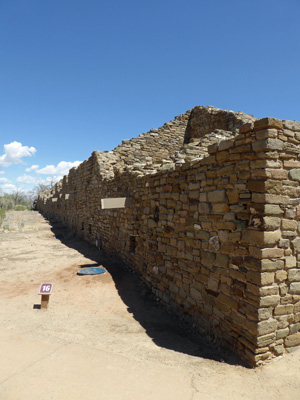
46, 288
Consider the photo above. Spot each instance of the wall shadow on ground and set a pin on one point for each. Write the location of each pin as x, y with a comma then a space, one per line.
164, 327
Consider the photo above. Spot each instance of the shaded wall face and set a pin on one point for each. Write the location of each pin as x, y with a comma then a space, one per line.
216, 239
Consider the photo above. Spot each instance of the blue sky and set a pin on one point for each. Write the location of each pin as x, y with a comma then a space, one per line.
81, 75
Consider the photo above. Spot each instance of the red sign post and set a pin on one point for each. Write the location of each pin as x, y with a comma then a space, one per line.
45, 291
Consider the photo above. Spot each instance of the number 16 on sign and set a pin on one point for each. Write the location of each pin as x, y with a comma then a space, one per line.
45, 291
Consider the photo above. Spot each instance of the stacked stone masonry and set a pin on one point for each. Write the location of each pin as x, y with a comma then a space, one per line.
215, 233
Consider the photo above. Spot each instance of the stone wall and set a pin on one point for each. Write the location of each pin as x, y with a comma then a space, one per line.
215, 238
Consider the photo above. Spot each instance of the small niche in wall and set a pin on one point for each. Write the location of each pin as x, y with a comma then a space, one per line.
156, 214
82, 226
90, 228
132, 244
99, 243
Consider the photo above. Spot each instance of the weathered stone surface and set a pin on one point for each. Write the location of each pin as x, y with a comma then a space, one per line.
283, 310
269, 301
267, 144
294, 275
290, 261
282, 333
292, 340
267, 122
217, 196
267, 326
295, 288
294, 174
272, 223
215, 236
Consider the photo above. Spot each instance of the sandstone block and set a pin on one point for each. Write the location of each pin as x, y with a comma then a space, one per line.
265, 278
273, 209
267, 326
278, 350
280, 276
276, 173
217, 196
289, 225
295, 288
267, 144
271, 265
233, 196
269, 301
271, 223
296, 245
269, 252
294, 275
264, 313
294, 328
262, 238
267, 122
214, 243
246, 127
195, 294
221, 260
151, 223
282, 333
220, 208
297, 307
213, 285
292, 340
266, 133
284, 310
204, 208
290, 261
294, 174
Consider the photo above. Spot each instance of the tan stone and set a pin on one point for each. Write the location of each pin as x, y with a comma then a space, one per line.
267, 326
284, 310
258, 278
290, 261
233, 196
262, 238
220, 208
271, 223
280, 276
267, 122
292, 340
272, 252
289, 225
294, 275
217, 196
269, 301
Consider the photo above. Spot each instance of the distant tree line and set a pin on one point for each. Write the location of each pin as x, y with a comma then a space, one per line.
19, 200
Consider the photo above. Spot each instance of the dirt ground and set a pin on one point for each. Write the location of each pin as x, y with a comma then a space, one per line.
104, 336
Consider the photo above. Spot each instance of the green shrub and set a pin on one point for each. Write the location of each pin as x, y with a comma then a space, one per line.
2, 215
20, 207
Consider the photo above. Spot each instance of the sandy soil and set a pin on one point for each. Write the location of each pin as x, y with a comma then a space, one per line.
104, 336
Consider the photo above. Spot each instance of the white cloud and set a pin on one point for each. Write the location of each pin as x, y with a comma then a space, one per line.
1, 172
62, 168
14, 152
4, 180
32, 168
8, 187
30, 179
34, 180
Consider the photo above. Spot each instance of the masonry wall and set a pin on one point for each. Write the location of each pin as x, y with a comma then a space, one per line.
216, 239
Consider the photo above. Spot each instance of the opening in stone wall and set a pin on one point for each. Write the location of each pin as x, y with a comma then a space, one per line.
132, 244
